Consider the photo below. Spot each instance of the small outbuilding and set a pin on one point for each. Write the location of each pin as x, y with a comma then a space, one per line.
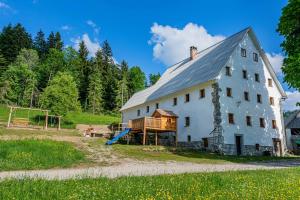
292, 127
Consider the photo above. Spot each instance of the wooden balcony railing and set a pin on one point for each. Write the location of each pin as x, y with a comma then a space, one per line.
164, 124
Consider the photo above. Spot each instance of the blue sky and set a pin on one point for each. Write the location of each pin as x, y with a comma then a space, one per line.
138, 30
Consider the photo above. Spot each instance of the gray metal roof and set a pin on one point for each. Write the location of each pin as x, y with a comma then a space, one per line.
187, 73
293, 121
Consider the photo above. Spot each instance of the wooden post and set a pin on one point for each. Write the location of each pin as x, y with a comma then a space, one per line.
46, 121
58, 128
176, 139
9, 117
156, 138
145, 130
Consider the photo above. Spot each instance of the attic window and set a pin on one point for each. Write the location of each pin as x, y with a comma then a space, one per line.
156, 105
138, 112
147, 109
228, 71
187, 98
272, 101
270, 82
243, 52
174, 101
202, 93
255, 57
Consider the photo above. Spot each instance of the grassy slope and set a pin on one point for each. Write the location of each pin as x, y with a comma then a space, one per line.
37, 154
273, 184
69, 121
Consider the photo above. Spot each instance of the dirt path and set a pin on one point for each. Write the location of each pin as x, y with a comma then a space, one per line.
143, 169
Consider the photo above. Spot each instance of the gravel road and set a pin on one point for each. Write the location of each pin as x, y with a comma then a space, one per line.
143, 169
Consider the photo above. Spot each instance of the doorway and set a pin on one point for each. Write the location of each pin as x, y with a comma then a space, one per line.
238, 144
277, 146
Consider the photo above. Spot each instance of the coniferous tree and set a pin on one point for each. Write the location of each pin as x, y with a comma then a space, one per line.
110, 78
95, 88
58, 42
51, 41
85, 72
123, 91
3, 64
40, 45
12, 40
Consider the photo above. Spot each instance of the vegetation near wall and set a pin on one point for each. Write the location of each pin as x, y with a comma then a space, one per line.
41, 72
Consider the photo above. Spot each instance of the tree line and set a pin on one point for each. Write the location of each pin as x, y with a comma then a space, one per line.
41, 72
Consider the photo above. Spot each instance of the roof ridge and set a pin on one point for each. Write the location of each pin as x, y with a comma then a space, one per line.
198, 52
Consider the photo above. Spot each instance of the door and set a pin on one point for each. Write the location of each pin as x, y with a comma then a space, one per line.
238, 144
277, 147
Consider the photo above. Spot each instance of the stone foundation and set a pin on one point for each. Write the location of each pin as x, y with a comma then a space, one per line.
191, 145
247, 150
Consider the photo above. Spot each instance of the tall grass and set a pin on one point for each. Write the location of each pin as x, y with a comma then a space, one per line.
37, 154
274, 184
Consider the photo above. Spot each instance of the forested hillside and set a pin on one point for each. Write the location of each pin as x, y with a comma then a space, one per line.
39, 71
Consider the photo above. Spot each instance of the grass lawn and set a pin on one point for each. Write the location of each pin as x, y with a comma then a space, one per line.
35, 132
37, 154
272, 184
162, 153
69, 121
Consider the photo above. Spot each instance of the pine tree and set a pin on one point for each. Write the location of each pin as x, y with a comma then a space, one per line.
51, 41
3, 64
110, 78
95, 92
12, 40
58, 42
107, 52
40, 44
123, 92
85, 72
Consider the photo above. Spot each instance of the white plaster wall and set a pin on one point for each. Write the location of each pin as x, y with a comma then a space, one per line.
199, 110
254, 134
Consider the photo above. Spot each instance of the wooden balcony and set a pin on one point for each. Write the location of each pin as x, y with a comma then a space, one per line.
163, 124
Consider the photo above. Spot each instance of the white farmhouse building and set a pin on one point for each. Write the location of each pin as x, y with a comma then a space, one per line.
226, 97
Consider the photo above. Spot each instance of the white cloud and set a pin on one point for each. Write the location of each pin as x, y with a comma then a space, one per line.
276, 61
93, 25
290, 102
66, 28
172, 44
91, 45
4, 5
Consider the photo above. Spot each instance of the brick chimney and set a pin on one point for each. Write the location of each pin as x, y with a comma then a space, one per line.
193, 52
